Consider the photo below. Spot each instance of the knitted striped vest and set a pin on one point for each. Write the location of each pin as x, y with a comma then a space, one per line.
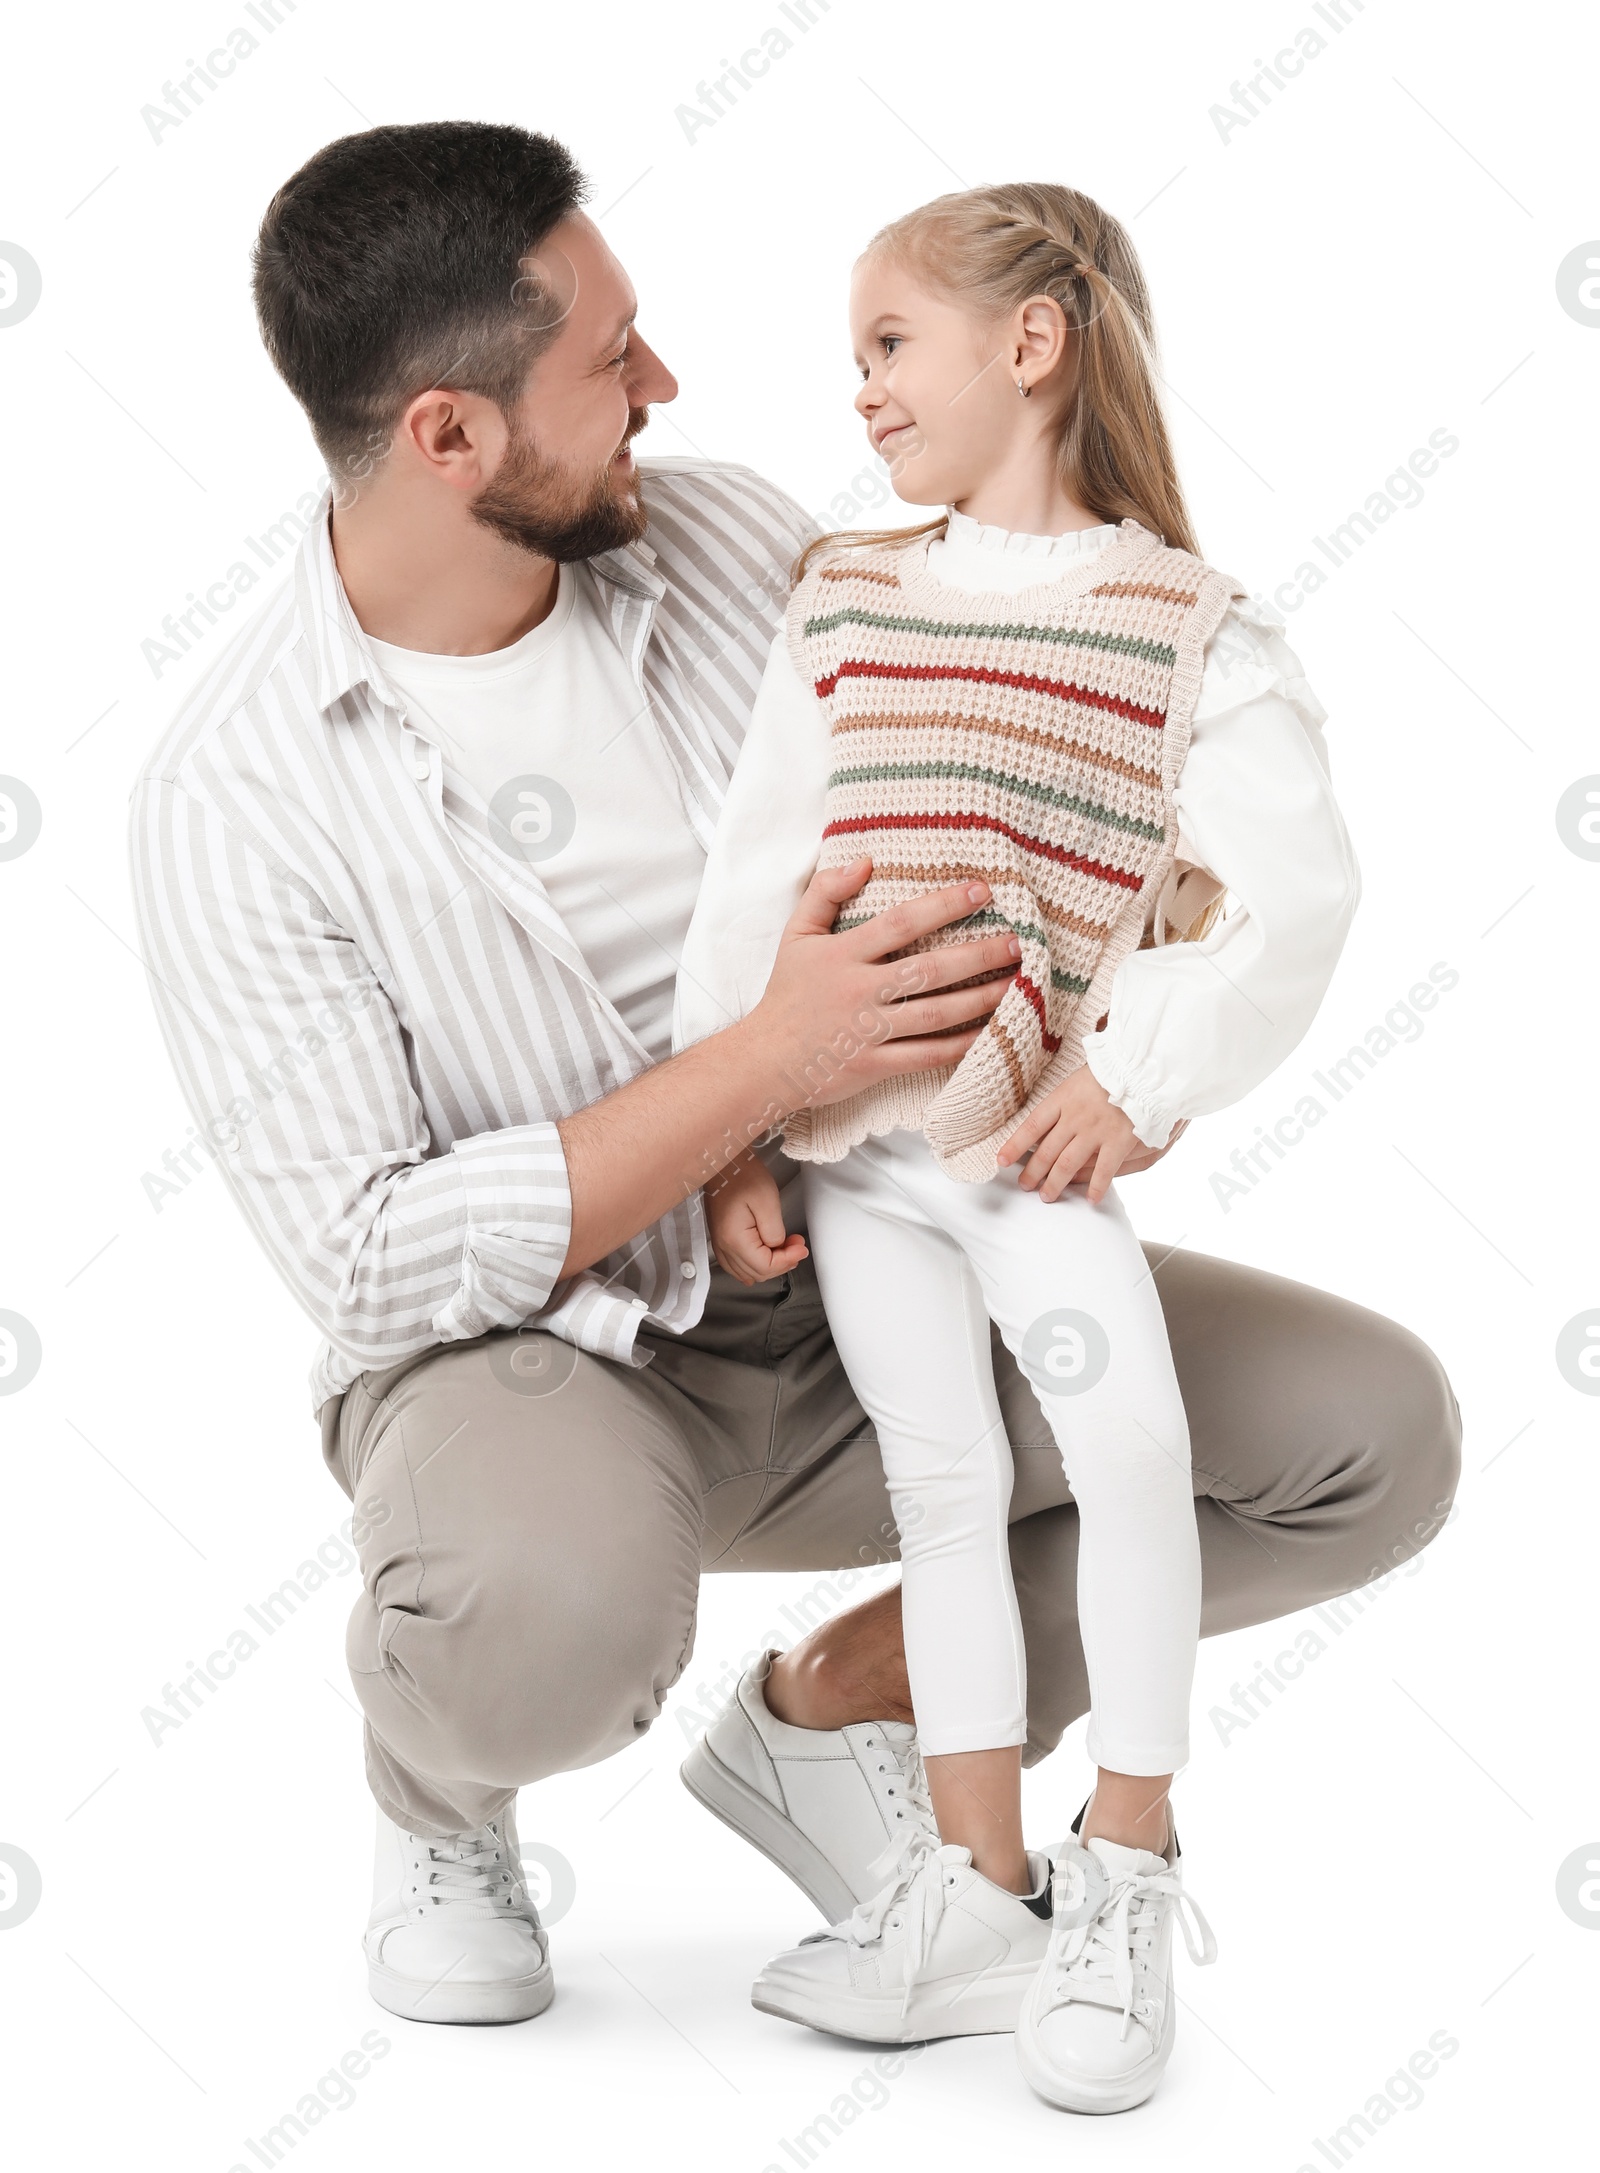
1033, 740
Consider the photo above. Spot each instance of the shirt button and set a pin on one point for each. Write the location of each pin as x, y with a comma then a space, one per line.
688, 1271
419, 763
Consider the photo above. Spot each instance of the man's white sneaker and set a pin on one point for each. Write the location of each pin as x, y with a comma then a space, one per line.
938, 1952
453, 1935
822, 1804
1096, 2026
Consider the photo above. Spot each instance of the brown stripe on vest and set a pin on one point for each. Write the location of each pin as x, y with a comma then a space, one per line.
1019, 1084
937, 874
858, 573
1146, 588
1028, 735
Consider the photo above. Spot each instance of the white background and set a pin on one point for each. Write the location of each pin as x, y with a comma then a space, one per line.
1372, 258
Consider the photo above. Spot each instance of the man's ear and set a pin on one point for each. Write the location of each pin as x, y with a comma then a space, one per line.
455, 438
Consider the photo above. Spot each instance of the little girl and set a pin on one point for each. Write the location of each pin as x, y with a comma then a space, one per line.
1032, 691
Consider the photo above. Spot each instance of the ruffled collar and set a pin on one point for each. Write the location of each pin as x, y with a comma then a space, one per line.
966, 534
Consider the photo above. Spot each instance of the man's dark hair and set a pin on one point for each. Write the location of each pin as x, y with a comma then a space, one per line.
394, 260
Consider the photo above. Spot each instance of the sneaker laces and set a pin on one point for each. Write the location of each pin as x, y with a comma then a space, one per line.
916, 1782
1094, 1962
471, 1873
918, 1887
913, 1790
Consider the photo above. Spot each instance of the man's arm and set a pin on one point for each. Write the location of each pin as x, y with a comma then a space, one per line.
835, 1018
295, 1067
296, 1072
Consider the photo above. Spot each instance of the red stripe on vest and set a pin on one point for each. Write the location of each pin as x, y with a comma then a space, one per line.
1064, 689
1030, 989
988, 822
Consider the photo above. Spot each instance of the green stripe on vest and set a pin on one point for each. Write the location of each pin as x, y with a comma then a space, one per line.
970, 773
1073, 637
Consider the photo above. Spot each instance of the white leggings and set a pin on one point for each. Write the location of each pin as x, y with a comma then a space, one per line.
913, 1265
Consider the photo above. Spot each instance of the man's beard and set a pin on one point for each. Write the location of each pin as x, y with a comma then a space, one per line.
540, 506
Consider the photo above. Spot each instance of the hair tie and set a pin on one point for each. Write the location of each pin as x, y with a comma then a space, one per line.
1075, 267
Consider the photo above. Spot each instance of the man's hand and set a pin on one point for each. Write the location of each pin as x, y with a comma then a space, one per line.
838, 1018
1075, 1127
746, 1223
835, 1018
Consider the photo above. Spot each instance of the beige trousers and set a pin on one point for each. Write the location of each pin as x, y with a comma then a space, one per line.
533, 1521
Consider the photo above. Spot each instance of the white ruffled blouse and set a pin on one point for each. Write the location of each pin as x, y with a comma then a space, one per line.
1191, 1027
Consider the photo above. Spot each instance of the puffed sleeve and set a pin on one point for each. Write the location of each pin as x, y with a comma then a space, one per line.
1192, 1027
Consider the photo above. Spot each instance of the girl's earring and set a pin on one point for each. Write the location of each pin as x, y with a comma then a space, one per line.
1022, 388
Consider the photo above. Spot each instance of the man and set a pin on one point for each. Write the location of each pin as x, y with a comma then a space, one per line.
414, 869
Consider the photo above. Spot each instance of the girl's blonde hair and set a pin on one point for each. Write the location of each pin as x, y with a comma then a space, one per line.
991, 250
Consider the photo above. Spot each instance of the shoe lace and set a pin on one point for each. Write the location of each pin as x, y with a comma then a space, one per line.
913, 1804
472, 1874
916, 1783
1101, 1961
917, 1888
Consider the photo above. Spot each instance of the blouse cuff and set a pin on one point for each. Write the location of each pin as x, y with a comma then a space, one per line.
1133, 1089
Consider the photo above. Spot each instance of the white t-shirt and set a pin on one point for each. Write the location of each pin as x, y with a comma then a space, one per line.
555, 734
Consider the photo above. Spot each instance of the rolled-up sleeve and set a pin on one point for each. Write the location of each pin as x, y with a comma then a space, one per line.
292, 1059
1192, 1027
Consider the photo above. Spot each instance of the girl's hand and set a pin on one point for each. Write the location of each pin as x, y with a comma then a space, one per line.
1140, 1156
746, 1223
1075, 1127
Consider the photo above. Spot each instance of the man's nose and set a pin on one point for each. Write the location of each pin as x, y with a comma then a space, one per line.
650, 381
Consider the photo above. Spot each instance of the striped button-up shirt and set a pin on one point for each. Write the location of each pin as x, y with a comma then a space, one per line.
376, 1014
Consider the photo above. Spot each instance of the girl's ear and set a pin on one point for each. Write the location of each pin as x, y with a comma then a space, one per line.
1041, 339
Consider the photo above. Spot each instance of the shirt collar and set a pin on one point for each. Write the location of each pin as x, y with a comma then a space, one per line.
341, 656
632, 569
341, 653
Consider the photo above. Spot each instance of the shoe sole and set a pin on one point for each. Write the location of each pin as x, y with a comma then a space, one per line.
748, 1814
1086, 2097
513, 1999
988, 2007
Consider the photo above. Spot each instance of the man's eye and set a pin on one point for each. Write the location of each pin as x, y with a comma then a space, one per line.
617, 361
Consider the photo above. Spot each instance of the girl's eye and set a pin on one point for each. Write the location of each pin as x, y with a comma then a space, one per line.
888, 341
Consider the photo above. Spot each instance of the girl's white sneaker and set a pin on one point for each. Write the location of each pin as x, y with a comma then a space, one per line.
940, 1951
1097, 2023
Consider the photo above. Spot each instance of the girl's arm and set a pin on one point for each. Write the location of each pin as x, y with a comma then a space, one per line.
761, 858
1193, 1027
